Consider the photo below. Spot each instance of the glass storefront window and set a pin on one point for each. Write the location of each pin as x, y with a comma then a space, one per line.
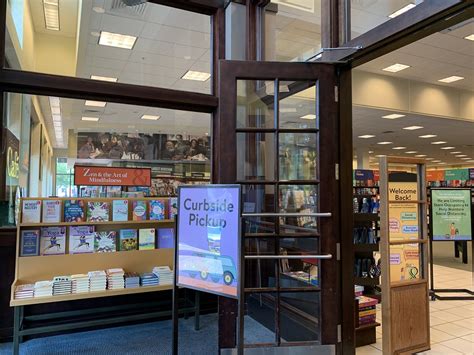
145, 44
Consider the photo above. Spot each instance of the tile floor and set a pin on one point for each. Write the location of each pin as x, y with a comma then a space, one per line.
452, 322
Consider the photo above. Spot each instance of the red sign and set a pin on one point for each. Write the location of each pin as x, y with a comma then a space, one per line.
435, 175
109, 176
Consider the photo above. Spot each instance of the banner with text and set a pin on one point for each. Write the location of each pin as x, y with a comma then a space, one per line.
110, 176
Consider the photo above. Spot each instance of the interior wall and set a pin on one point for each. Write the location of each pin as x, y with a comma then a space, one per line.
55, 55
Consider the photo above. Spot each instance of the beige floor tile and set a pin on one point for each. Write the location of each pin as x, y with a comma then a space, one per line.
469, 337
461, 312
378, 344
466, 323
454, 329
438, 336
436, 321
461, 345
447, 316
368, 350
438, 349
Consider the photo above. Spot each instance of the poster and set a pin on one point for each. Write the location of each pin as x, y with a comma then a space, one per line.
404, 262
111, 176
209, 238
451, 214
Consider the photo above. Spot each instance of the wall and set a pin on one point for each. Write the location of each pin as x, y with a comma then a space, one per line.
63, 60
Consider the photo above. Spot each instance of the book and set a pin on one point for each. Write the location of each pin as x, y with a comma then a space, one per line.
128, 239
53, 241
120, 210
30, 242
31, 211
74, 211
105, 242
97, 211
172, 207
81, 239
146, 239
157, 210
165, 238
139, 210
51, 211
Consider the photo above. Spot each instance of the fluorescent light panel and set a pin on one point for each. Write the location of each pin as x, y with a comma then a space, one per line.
393, 116
51, 14
456, 152
448, 148
118, 40
402, 10
399, 148
396, 68
95, 103
411, 152
384, 143
92, 119
428, 136
196, 75
420, 155
104, 78
367, 136
466, 158
461, 156
308, 117
470, 37
451, 79
150, 117
439, 142
412, 128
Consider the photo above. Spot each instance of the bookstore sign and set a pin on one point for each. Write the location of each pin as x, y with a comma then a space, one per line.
111, 176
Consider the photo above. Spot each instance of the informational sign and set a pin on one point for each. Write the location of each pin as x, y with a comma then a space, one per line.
208, 238
110, 176
451, 214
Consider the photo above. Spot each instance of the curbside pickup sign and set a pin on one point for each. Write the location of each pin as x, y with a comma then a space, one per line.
208, 238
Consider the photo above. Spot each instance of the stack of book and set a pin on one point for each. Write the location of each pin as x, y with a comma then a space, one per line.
80, 283
97, 280
367, 310
24, 291
43, 288
149, 279
132, 280
62, 285
164, 273
115, 279
358, 290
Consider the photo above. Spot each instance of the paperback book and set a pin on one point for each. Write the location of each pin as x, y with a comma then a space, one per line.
53, 241
30, 242
51, 211
31, 211
105, 242
139, 210
157, 210
172, 207
128, 239
97, 211
81, 239
146, 239
120, 210
74, 211
165, 238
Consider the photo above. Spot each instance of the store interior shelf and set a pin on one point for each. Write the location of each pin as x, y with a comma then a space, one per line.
366, 248
363, 217
367, 281
89, 223
367, 326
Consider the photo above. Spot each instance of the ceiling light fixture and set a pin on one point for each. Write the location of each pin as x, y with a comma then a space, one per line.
399, 148
420, 155
104, 78
396, 68
461, 156
429, 158
470, 161
380, 155
436, 161
439, 142
98, 9
428, 136
150, 117
384, 143
92, 119
451, 79
393, 116
448, 148
55, 106
465, 158
411, 152
116, 40
412, 128
470, 37
95, 103
196, 75
367, 136
404, 9
51, 14
308, 117
371, 151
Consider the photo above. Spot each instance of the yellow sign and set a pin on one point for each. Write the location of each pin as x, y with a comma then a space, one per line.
404, 262
403, 191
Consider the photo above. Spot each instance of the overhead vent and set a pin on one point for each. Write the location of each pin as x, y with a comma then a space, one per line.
129, 8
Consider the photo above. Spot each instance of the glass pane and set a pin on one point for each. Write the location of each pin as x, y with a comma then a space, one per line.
260, 273
147, 44
298, 159
299, 273
298, 246
298, 199
255, 102
259, 323
258, 199
299, 316
255, 156
297, 105
405, 262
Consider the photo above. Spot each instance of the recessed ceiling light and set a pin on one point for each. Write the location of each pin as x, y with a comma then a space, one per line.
196, 75
57, 118
428, 136
384, 143
371, 151
439, 142
456, 152
116, 40
51, 14
404, 9
93, 119
380, 155
396, 68
429, 158
412, 128
411, 152
104, 78
420, 155
448, 148
98, 9
308, 117
470, 37
466, 158
461, 156
442, 163
470, 161
366, 136
393, 116
451, 79
95, 103
399, 148
436, 161
150, 117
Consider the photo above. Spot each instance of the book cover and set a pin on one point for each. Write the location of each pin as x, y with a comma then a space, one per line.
74, 211
157, 210
81, 239
105, 242
53, 241
98, 211
120, 210
165, 238
51, 211
30, 242
139, 210
128, 239
31, 211
172, 207
146, 239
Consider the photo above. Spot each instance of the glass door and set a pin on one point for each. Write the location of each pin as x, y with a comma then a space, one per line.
277, 137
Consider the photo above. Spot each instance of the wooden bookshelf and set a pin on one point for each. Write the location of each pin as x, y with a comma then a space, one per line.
117, 224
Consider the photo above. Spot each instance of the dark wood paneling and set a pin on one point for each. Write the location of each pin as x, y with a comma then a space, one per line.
330, 23
7, 276
251, 23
